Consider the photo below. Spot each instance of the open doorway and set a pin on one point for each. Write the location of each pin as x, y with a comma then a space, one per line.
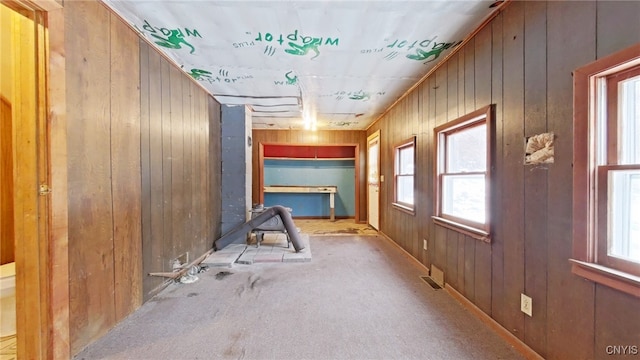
300, 176
373, 180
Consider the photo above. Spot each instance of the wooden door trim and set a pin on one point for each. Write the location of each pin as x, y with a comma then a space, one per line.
369, 138
43, 323
58, 266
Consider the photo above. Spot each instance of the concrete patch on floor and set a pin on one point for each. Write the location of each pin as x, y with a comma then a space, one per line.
273, 248
225, 257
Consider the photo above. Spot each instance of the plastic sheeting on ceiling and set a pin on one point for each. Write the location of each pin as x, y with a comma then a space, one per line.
341, 63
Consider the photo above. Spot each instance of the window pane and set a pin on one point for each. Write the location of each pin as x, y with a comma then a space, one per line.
629, 128
406, 160
463, 196
467, 150
624, 214
405, 189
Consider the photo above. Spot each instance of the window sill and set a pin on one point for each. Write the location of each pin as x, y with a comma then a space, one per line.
464, 229
613, 278
404, 208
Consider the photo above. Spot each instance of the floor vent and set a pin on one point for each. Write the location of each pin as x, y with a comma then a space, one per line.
430, 281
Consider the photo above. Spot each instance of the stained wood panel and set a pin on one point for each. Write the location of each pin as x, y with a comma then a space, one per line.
482, 83
141, 134
497, 241
167, 165
91, 254
125, 168
513, 155
188, 221
469, 266
612, 20
425, 182
535, 177
575, 323
616, 316
153, 245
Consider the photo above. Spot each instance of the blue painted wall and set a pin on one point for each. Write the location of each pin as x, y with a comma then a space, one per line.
340, 173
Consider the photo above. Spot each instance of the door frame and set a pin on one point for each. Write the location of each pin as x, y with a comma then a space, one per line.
42, 275
369, 138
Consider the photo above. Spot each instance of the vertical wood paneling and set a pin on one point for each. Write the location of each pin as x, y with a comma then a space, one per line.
453, 80
497, 241
469, 267
513, 155
155, 246
139, 132
91, 265
482, 81
482, 274
460, 239
451, 270
197, 207
58, 264
440, 92
125, 168
575, 323
167, 169
613, 20
145, 168
424, 171
453, 104
187, 138
616, 316
431, 116
469, 77
178, 198
535, 177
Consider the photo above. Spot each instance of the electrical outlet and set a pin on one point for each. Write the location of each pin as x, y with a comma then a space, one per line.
424, 244
526, 304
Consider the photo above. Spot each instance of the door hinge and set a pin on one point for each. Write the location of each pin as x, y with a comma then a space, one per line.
44, 189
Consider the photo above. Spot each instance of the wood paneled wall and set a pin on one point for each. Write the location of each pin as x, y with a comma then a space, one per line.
180, 143
522, 62
143, 140
314, 138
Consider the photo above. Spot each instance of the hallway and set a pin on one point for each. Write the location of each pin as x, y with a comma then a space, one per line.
359, 298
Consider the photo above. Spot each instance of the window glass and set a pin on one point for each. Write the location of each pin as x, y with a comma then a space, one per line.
467, 150
624, 214
463, 196
629, 129
405, 189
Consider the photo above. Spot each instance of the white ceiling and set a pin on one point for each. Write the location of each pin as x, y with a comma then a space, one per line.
340, 62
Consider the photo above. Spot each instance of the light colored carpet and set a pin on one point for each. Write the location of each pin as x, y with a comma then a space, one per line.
358, 299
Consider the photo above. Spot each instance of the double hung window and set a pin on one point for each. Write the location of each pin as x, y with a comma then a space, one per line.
606, 196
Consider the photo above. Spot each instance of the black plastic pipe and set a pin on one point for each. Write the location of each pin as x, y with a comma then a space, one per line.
270, 212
